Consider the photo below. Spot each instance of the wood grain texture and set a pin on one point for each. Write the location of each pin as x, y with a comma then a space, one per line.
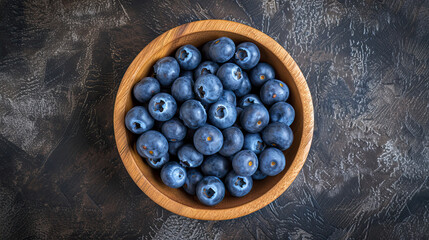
365, 62
263, 192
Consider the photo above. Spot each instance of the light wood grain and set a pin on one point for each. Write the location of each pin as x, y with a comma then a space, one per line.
263, 192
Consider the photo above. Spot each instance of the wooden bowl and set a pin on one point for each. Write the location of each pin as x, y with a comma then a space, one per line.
263, 192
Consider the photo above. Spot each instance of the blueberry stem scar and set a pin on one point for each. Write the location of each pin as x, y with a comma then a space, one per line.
240, 182
159, 106
209, 193
201, 91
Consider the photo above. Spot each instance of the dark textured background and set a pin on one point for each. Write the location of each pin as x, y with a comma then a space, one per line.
366, 63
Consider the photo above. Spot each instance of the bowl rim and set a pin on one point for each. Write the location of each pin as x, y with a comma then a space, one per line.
214, 214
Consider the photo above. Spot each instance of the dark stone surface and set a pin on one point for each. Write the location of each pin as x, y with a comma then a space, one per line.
366, 63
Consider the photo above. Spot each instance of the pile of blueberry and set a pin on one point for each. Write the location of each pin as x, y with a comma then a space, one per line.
192, 128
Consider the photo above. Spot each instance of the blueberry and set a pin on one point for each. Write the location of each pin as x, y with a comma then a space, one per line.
158, 162
254, 143
205, 50
173, 147
229, 96
231, 76
278, 135
222, 114
182, 89
174, 130
210, 190
254, 118
193, 114
258, 175
272, 161
247, 55
245, 86
162, 107
188, 57
245, 163
145, 89
233, 140
189, 74
189, 156
166, 70
221, 49
261, 73
216, 165
248, 100
138, 120
282, 112
193, 176
238, 186
152, 144
208, 88
274, 91
173, 175
207, 67
208, 140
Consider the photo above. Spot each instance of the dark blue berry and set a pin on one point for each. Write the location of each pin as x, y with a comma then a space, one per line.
174, 130
274, 91
173, 147
272, 161
162, 107
254, 118
233, 140
261, 73
216, 165
193, 176
222, 114
189, 156
258, 175
208, 88
229, 96
221, 49
247, 55
282, 112
145, 89
248, 100
183, 89
207, 67
205, 50
208, 140
254, 143
173, 175
230, 75
193, 114
245, 163
166, 70
238, 186
245, 86
188, 57
152, 144
278, 135
138, 120
210, 190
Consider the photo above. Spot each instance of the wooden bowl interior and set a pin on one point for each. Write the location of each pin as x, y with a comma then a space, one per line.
260, 187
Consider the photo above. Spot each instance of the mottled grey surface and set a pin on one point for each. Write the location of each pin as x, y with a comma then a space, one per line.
366, 63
